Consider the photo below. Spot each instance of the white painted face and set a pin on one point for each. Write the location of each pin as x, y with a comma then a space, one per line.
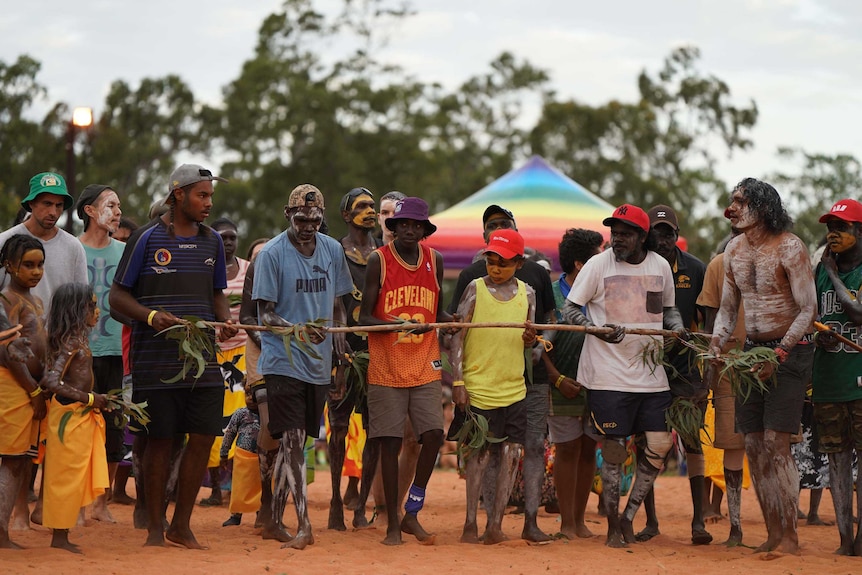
739, 212
106, 211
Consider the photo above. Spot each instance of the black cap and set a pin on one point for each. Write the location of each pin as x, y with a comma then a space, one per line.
90, 194
495, 209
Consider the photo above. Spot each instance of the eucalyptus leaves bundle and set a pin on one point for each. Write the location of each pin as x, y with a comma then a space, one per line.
474, 435
116, 402
197, 346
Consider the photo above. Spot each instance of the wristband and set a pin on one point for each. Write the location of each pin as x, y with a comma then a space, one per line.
36, 391
90, 399
559, 381
782, 354
150, 318
458, 383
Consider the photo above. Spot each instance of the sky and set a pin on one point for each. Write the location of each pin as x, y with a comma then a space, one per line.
799, 60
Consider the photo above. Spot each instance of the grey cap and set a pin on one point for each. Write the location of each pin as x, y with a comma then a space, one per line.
188, 174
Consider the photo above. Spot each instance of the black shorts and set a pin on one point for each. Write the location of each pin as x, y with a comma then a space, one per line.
178, 411
340, 410
780, 409
509, 422
294, 404
108, 376
624, 413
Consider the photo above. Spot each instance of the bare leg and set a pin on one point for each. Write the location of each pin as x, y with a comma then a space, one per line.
100, 505
644, 480
389, 447
651, 528
14, 472
351, 493
290, 471
474, 469
586, 458
21, 512
814, 508
60, 540
271, 511
611, 479
776, 482
118, 492
565, 469
336, 451
733, 483
431, 442
841, 478
509, 456
192, 466
156, 459
534, 461
408, 460
370, 459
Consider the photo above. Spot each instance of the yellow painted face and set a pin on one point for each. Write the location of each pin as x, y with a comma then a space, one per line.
840, 236
363, 212
500, 270
93, 308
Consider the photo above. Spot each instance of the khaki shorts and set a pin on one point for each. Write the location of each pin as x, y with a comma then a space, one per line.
388, 408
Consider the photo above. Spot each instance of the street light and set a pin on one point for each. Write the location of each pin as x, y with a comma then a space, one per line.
82, 118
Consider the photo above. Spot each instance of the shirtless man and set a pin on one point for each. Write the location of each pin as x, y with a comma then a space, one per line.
768, 269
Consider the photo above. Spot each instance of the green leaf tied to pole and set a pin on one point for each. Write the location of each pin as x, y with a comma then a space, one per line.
196, 346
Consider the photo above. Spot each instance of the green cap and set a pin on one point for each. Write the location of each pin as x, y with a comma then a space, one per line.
48, 183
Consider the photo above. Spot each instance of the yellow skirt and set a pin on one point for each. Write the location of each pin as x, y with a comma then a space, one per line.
714, 457
354, 443
76, 469
18, 429
245, 486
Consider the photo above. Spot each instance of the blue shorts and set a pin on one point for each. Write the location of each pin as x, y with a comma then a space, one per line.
623, 413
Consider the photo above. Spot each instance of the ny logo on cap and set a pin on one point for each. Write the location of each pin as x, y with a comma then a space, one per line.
622, 210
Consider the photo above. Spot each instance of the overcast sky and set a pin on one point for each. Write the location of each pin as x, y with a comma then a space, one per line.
799, 60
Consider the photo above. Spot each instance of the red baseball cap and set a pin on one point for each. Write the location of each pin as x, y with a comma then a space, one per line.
847, 210
507, 244
631, 215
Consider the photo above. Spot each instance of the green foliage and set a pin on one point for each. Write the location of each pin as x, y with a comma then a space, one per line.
474, 435
299, 335
196, 346
686, 418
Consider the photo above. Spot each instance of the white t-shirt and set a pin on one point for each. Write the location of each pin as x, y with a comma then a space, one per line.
630, 295
65, 261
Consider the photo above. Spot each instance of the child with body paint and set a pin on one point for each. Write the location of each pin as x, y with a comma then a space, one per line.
488, 370
76, 467
22, 403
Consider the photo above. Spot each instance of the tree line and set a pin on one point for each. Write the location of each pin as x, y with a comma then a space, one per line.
298, 113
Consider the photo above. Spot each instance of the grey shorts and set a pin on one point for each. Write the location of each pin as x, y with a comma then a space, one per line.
388, 408
565, 428
781, 408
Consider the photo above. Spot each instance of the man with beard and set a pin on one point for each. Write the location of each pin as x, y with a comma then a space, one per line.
170, 269
684, 377
630, 283
768, 269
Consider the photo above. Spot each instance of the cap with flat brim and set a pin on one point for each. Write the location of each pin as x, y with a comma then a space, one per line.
507, 244
48, 183
494, 210
629, 215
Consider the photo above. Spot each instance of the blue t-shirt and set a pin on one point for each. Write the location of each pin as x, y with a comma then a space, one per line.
105, 337
304, 289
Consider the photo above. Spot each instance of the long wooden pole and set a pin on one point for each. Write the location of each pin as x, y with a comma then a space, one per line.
464, 325
838, 336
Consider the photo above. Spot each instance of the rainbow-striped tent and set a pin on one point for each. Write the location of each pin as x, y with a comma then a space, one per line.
544, 201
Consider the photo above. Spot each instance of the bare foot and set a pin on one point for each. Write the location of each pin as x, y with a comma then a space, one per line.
6, 543
789, 547
393, 537
139, 518
735, 537
183, 537
712, 517
769, 545
533, 534
359, 520
583, 531
351, 498
647, 533
102, 513
815, 520
494, 535
470, 534
276, 533
700, 537
410, 525
122, 499
615, 540
628, 531
302, 540
155, 539
336, 517
66, 546
19, 523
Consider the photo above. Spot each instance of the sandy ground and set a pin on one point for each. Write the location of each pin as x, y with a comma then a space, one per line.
117, 549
